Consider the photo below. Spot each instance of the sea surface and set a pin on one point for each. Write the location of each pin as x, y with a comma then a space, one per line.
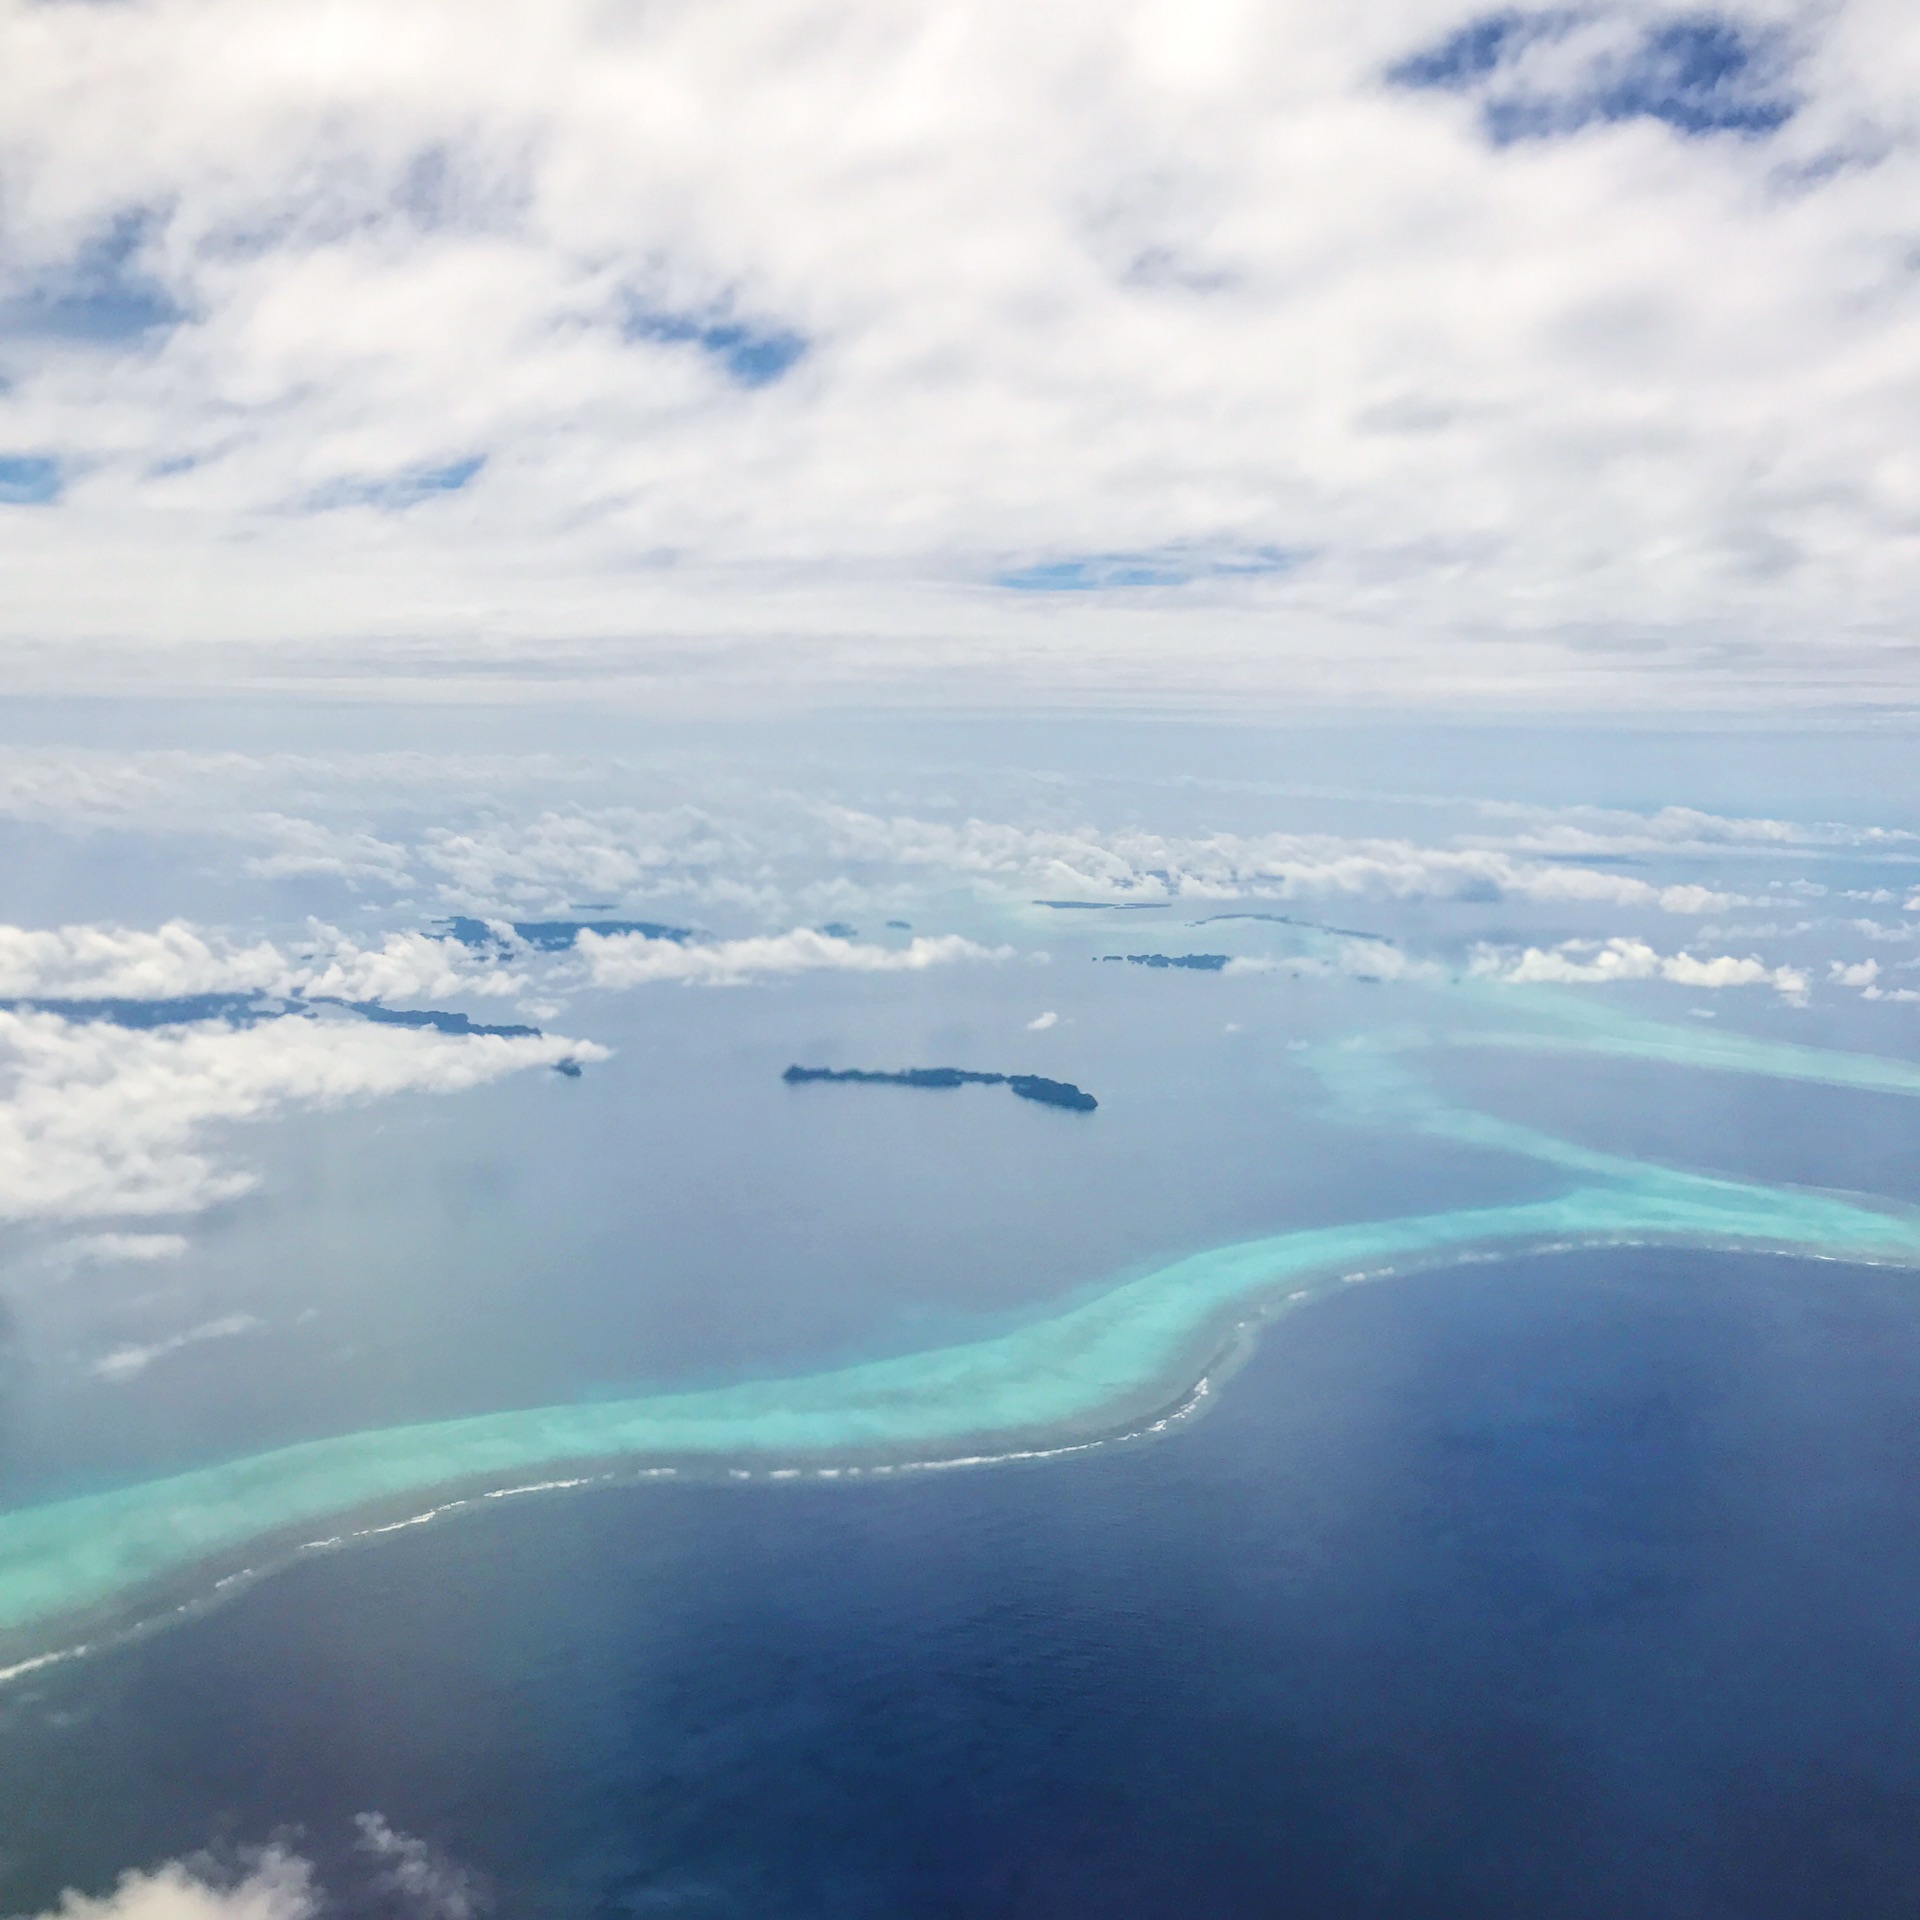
1580, 1585
1557, 1583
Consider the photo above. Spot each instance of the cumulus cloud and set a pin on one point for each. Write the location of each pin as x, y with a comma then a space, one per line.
1091, 863
1594, 962
1042, 1021
179, 960
1173, 344
405, 966
89, 962
280, 1887
99, 1120
631, 960
1861, 973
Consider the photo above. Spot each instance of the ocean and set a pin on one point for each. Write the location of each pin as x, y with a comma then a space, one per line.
1573, 1585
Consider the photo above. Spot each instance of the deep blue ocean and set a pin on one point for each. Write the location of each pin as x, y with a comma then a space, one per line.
1576, 1586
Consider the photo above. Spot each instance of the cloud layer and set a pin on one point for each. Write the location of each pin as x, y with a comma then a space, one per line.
1195, 345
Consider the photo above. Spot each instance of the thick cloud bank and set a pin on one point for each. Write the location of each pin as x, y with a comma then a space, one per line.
1193, 344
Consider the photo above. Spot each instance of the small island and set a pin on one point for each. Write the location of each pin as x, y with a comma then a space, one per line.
1026, 1086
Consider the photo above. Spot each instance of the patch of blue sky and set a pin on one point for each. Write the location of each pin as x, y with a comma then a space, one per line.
1698, 73
752, 356
1115, 572
29, 480
395, 492
103, 296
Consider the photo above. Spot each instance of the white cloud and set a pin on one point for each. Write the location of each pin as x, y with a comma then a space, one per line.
124, 1362
121, 963
178, 959
631, 960
405, 966
1862, 973
280, 1887
1089, 863
1593, 962
99, 1120
1604, 413
1042, 1021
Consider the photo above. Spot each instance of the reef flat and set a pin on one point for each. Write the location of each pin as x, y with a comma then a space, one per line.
1100, 1367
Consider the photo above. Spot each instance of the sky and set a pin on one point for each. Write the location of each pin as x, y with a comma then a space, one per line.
1192, 352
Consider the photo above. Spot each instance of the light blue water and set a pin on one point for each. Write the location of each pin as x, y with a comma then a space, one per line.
1103, 1365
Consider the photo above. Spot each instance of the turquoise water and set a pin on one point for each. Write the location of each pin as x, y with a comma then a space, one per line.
1098, 1367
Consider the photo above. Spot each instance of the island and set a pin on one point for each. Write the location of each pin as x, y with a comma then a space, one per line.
1026, 1086
1199, 962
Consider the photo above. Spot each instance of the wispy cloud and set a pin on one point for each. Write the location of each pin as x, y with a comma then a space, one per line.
125, 1362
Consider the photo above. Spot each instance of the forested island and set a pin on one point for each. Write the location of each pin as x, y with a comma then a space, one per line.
1026, 1086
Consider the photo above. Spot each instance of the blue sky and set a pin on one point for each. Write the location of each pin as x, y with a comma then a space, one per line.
1248, 352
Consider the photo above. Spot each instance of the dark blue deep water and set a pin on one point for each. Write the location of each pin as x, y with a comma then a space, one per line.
1571, 1587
